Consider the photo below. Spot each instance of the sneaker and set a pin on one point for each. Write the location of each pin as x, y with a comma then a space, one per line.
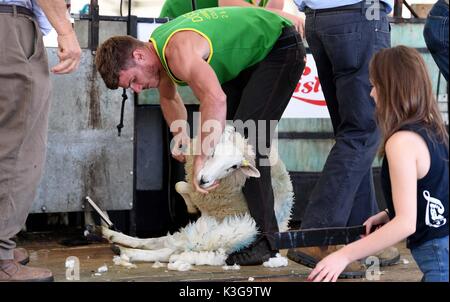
310, 256
21, 256
10, 270
255, 254
387, 257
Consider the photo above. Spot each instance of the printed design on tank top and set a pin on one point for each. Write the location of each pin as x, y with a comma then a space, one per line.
434, 211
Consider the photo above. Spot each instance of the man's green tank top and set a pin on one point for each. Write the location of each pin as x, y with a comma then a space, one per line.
239, 37
176, 8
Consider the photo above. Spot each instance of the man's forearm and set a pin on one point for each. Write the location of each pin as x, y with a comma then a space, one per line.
273, 5
173, 110
276, 4
56, 12
213, 114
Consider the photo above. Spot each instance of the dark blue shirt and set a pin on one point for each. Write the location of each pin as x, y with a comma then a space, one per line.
432, 191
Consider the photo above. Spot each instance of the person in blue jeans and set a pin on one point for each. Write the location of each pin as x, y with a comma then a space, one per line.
342, 36
414, 173
435, 33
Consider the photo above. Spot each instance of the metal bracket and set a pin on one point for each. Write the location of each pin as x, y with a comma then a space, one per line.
94, 25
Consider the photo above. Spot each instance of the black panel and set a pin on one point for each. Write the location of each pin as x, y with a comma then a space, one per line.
149, 145
158, 207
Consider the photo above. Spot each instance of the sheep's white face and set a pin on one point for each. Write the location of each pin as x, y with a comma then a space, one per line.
225, 160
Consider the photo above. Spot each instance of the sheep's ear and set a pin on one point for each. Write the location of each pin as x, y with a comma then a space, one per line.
249, 170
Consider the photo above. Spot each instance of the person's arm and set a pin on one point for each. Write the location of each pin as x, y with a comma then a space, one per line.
273, 4
172, 106
174, 113
401, 151
276, 4
297, 21
69, 50
186, 55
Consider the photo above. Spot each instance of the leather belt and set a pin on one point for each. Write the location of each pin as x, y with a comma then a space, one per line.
5, 8
352, 7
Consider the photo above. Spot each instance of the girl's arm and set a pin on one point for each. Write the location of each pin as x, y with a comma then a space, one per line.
402, 154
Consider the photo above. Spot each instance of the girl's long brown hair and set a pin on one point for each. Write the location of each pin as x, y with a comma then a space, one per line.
405, 94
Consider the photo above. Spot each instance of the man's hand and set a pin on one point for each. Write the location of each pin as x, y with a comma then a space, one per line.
198, 166
179, 146
69, 53
299, 24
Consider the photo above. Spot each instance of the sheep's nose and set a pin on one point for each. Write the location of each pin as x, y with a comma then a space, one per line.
202, 181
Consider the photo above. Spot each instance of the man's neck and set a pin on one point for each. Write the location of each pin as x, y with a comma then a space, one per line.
149, 46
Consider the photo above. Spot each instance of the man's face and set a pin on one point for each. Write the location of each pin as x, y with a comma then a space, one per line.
143, 75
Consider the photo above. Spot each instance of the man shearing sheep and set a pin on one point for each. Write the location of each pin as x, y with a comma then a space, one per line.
241, 64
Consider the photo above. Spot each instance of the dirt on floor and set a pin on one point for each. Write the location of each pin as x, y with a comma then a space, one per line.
96, 265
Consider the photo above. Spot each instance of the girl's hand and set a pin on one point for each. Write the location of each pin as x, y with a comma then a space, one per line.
329, 269
377, 219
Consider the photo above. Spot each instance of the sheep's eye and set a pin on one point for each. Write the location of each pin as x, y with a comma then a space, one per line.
234, 167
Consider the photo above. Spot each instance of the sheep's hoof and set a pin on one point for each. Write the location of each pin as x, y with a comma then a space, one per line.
116, 249
94, 233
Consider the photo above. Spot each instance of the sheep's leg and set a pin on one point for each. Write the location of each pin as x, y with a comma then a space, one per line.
133, 242
133, 255
200, 258
185, 189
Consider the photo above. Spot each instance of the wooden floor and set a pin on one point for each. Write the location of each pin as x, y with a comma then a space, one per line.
49, 253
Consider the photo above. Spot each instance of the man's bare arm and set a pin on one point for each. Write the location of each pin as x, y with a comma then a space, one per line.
275, 7
276, 4
186, 54
175, 114
69, 50
172, 105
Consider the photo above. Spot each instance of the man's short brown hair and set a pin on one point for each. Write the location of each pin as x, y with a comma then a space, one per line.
114, 55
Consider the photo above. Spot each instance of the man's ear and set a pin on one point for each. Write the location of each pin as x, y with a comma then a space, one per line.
138, 54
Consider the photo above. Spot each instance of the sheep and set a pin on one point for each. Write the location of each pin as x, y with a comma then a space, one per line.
225, 225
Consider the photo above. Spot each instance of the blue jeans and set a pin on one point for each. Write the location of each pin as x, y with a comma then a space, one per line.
432, 259
435, 33
342, 43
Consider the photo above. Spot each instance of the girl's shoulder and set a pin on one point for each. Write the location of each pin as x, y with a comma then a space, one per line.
406, 140
407, 149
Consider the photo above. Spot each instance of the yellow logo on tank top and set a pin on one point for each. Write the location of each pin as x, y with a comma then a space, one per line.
205, 15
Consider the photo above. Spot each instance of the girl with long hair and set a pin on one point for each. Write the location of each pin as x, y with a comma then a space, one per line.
414, 172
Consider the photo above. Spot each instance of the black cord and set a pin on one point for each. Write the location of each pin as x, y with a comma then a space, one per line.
124, 99
124, 93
